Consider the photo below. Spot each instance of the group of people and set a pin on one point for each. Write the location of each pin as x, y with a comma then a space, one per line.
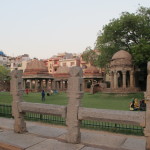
135, 105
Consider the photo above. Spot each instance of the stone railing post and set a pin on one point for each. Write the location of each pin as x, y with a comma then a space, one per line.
16, 85
147, 97
75, 93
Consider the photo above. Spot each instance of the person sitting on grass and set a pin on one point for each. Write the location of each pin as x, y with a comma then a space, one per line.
136, 104
142, 105
132, 104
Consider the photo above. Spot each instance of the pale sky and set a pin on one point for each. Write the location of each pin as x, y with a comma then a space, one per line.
43, 28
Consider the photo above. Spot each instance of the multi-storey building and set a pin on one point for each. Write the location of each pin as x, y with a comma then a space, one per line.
19, 62
4, 60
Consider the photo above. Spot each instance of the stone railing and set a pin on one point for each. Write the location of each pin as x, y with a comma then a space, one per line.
116, 116
74, 113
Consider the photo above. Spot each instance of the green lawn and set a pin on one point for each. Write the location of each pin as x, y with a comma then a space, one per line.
98, 100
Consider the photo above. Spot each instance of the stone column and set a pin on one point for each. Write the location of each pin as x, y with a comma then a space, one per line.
131, 78
36, 84
85, 84
30, 84
41, 83
16, 85
61, 85
66, 84
147, 97
75, 93
47, 85
124, 78
24, 83
115, 80
112, 80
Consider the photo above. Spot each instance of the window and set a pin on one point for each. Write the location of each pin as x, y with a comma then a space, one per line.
72, 64
55, 62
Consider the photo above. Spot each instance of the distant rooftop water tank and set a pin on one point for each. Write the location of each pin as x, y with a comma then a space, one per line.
2, 53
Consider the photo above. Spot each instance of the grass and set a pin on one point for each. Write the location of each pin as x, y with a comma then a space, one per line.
98, 100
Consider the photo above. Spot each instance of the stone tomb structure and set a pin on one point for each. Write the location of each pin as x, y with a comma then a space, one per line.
122, 73
36, 76
73, 113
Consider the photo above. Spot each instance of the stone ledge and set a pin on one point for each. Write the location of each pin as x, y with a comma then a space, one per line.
5, 146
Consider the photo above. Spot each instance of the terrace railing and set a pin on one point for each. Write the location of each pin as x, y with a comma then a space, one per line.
73, 113
6, 111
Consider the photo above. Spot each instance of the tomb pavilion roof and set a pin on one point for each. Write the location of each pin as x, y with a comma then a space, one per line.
62, 72
36, 69
91, 72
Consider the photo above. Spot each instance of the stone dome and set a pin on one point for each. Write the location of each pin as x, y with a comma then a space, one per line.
36, 67
122, 54
121, 58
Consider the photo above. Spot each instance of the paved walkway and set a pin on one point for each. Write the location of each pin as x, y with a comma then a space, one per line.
42, 136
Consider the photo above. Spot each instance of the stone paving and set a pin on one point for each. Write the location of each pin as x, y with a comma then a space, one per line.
42, 136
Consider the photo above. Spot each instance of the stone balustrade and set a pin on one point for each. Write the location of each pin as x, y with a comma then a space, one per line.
116, 116
73, 112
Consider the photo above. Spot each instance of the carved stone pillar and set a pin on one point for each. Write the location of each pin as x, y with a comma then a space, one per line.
124, 79
30, 84
36, 84
112, 80
75, 93
115, 80
16, 85
132, 79
147, 97
46, 82
61, 85
24, 83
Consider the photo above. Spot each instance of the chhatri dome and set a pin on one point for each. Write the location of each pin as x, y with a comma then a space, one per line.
122, 54
121, 57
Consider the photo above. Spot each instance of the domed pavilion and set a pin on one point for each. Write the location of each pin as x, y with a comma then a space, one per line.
122, 72
36, 76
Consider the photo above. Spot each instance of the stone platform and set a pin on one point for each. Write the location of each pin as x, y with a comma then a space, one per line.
42, 136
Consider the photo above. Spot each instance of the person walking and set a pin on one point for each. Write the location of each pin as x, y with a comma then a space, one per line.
43, 95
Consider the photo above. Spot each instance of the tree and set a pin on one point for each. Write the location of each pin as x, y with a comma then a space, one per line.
130, 32
90, 56
4, 78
